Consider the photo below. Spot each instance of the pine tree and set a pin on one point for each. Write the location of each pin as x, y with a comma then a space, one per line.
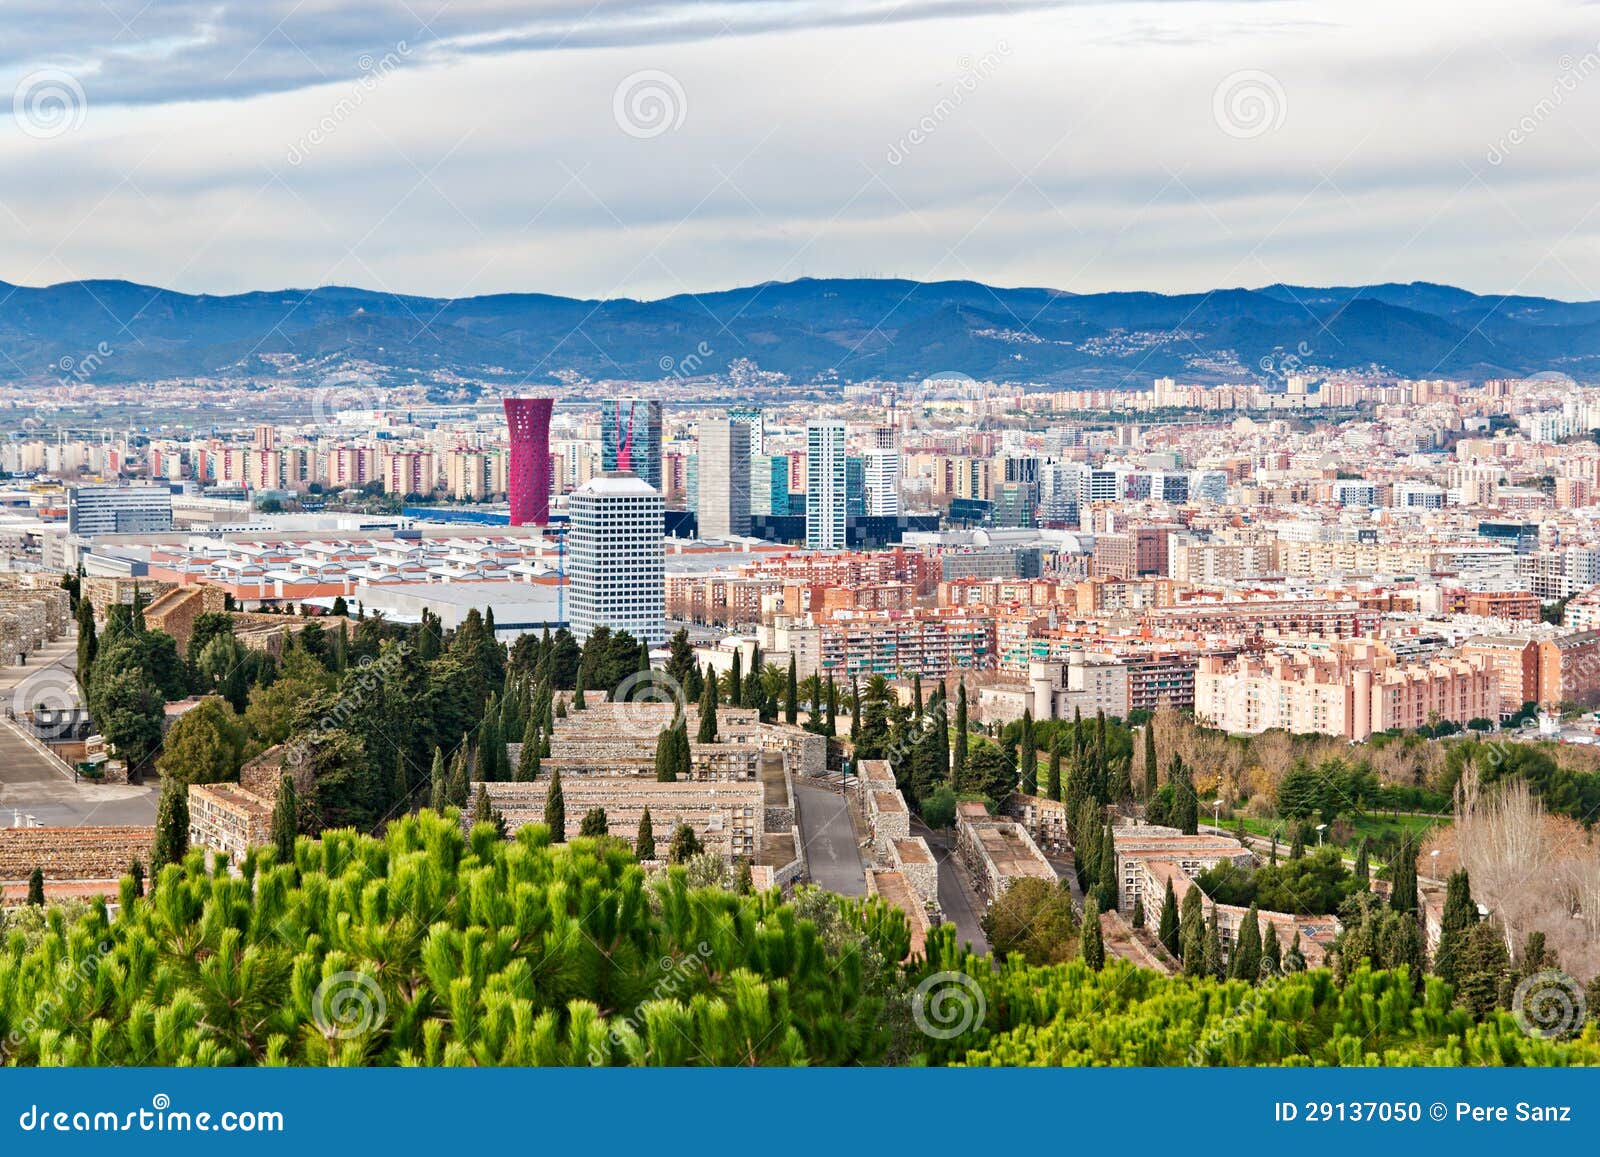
708, 709
285, 821
1271, 953
1167, 927
1137, 919
36, 888
644, 844
555, 809
791, 695
1245, 963
136, 870
1029, 761
172, 826
1455, 926
1052, 783
594, 823
1091, 944
1192, 933
1150, 786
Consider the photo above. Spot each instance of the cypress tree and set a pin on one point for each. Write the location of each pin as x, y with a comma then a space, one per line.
460, 778
401, 788
708, 709
1363, 869
439, 780
1052, 783
1091, 943
1455, 926
1150, 786
1107, 875
1138, 912
1246, 959
959, 773
528, 759
594, 823
644, 844
36, 888
682, 756
1167, 927
285, 821
555, 809
172, 826
1214, 964
1403, 872
736, 681
666, 756
579, 703
88, 642
1271, 953
1297, 842
830, 726
855, 711
1029, 761
685, 845
482, 810
136, 870
1192, 933
743, 879
791, 695
1293, 959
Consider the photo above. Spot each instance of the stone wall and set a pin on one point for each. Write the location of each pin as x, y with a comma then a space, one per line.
913, 859
91, 853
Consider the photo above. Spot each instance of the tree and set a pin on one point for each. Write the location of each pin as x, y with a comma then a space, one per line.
644, 844
172, 826
285, 821
36, 888
1137, 920
736, 680
1293, 959
666, 755
1167, 928
1028, 769
1363, 870
555, 809
439, 778
578, 701
1214, 964
1403, 875
1301, 792
594, 823
708, 710
136, 872
743, 879
1093, 947
1456, 922
1481, 964
1271, 953
1186, 804
205, 745
1150, 760
1052, 783
682, 667
1033, 919
528, 758
855, 711
1192, 933
791, 695
685, 845
128, 709
482, 809
1245, 960
88, 642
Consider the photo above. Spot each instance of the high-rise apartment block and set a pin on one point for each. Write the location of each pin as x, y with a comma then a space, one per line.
825, 486
630, 437
724, 468
617, 561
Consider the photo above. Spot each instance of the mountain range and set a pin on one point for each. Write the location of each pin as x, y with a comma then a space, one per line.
842, 329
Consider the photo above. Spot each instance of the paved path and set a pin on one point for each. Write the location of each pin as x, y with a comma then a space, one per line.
830, 840
960, 904
34, 785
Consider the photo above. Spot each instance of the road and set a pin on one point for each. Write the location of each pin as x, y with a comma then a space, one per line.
960, 905
33, 785
830, 840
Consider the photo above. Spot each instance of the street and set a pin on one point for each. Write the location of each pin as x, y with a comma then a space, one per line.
830, 840
956, 899
32, 785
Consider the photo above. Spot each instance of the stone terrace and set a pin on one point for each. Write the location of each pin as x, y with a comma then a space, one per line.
75, 855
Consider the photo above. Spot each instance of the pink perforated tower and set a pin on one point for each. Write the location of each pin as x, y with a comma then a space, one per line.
529, 484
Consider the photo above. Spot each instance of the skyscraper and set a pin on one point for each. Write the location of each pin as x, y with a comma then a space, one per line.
825, 486
528, 485
724, 507
617, 561
630, 437
883, 481
751, 416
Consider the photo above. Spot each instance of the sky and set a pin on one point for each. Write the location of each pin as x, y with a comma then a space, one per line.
630, 148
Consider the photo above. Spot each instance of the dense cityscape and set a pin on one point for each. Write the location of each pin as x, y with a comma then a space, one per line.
1286, 691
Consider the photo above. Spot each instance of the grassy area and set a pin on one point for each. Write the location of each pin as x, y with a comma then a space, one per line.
1374, 826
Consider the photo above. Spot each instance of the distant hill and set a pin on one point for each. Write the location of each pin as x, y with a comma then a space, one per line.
811, 329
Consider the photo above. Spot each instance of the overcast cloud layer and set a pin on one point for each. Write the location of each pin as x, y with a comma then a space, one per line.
641, 149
